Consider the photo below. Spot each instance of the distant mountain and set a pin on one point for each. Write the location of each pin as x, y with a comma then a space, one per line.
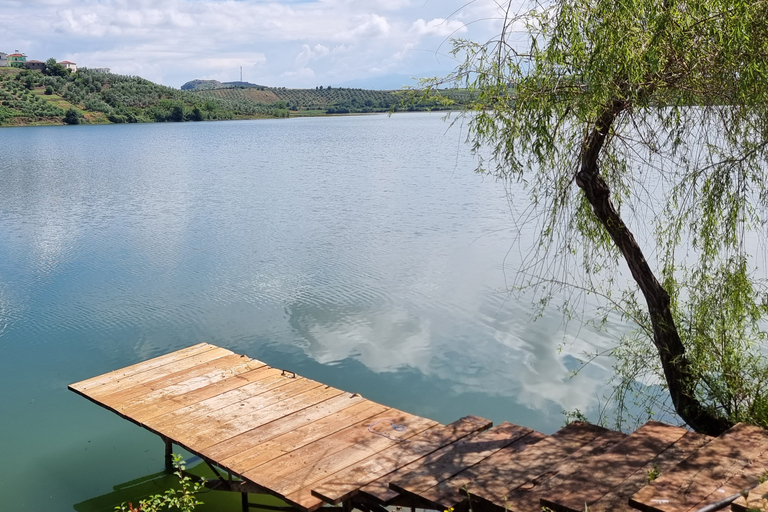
207, 85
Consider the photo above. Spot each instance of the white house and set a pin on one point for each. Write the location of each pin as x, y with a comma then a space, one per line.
69, 65
3, 60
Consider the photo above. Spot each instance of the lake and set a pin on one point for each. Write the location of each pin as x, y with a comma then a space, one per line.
363, 252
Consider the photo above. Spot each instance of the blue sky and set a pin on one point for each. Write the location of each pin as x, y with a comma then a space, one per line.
291, 43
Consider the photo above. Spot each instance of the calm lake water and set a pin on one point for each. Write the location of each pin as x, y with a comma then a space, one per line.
359, 251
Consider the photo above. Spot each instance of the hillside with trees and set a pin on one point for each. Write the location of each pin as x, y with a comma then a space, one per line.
324, 100
57, 96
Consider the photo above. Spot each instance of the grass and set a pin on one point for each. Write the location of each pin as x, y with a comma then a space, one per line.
9, 71
307, 113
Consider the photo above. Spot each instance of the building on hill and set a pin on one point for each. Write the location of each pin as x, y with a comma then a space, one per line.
17, 59
69, 65
35, 65
3, 60
99, 70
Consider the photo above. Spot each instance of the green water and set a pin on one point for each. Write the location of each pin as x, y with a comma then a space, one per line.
361, 251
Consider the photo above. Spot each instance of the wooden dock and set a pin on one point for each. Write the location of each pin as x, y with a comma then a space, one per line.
266, 430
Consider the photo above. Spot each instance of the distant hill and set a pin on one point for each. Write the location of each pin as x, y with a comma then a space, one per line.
310, 101
31, 97
332, 100
207, 85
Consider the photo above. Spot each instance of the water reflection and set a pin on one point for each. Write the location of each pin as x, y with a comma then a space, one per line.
362, 252
490, 352
384, 339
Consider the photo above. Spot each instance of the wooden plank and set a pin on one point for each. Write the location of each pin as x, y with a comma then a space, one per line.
203, 403
238, 403
176, 395
756, 500
393, 495
618, 499
610, 469
305, 500
703, 472
296, 438
252, 438
304, 497
577, 434
213, 395
85, 385
447, 462
180, 382
224, 426
346, 483
525, 496
380, 491
316, 461
449, 494
746, 478
114, 386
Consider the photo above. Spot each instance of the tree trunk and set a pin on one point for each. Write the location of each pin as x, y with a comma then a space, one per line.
677, 368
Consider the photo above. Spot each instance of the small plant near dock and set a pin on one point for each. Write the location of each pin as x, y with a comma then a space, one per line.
183, 499
574, 416
653, 473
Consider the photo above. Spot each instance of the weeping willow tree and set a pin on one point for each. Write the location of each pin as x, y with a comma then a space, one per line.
650, 117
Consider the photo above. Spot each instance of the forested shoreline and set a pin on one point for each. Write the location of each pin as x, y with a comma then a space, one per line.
56, 96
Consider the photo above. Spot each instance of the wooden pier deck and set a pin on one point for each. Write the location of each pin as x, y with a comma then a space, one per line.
275, 432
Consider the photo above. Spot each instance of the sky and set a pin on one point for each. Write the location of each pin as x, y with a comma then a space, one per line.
377, 44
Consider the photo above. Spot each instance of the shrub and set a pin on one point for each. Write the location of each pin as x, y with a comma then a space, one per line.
183, 499
72, 116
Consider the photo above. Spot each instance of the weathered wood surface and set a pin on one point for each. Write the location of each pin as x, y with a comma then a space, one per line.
95, 382
618, 499
313, 444
179, 383
373, 472
527, 495
740, 454
755, 500
453, 459
129, 381
248, 444
607, 471
278, 431
492, 479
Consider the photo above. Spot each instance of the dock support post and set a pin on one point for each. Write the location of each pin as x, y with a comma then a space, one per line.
168, 455
244, 498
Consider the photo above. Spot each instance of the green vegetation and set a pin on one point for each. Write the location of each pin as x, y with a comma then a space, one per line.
646, 116
328, 100
183, 499
58, 96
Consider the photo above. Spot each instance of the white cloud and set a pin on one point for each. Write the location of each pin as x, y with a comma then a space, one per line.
299, 73
307, 53
320, 50
438, 27
178, 40
371, 25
